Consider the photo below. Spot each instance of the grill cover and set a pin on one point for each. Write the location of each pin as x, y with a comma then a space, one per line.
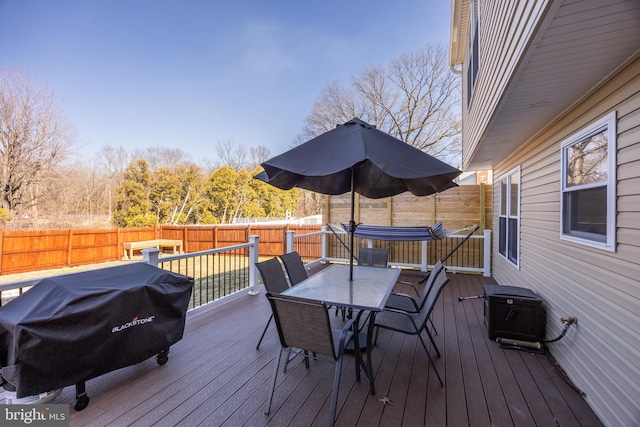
74, 327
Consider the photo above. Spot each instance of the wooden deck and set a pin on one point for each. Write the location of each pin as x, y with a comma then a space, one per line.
215, 376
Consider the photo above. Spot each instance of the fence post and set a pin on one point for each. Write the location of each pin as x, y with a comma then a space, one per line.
119, 244
150, 256
185, 241
483, 207
425, 264
253, 260
323, 255
326, 211
1, 247
69, 247
289, 246
487, 253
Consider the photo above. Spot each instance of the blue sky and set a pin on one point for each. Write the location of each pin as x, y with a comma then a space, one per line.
188, 74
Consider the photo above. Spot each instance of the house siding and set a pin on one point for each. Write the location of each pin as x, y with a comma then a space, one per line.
505, 30
601, 354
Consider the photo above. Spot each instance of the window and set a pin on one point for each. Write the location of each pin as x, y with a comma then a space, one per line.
509, 217
473, 50
589, 185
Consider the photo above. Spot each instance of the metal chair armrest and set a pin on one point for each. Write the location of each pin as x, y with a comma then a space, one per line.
346, 329
409, 284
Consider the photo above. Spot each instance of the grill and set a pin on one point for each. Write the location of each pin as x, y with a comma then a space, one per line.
68, 329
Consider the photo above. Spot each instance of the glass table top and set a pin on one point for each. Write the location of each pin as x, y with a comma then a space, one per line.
368, 290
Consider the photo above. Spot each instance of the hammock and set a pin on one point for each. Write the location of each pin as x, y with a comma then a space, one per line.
437, 232
376, 232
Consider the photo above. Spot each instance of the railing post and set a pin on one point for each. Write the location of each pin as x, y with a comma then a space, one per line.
487, 253
425, 265
150, 256
289, 245
253, 260
323, 255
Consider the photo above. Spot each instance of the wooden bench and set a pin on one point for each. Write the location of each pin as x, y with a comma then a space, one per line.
129, 247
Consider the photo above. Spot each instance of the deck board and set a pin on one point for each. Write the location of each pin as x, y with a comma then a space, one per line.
455, 349
215, 376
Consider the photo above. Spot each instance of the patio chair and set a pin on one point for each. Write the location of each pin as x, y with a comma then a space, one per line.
304, 324
415, 323
377, 257
274, 282
373, 257
405, 302
295, 267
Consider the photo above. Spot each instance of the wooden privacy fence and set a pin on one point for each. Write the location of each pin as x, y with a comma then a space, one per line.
456, 208
24, 251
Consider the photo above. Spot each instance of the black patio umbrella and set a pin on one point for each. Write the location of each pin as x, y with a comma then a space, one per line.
358, 158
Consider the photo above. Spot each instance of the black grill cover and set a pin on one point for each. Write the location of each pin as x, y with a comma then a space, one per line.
74, 327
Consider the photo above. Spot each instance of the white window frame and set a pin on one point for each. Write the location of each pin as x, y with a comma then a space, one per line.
509, 203
607, 123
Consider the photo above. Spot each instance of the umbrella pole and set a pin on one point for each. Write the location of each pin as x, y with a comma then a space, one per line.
352, 227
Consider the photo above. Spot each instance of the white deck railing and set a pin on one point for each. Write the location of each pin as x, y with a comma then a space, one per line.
223, 274
472, 256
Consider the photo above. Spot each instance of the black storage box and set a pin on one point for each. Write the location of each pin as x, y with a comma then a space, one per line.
514, 313
71, 328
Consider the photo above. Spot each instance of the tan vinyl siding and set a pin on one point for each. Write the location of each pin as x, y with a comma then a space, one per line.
601, 289
505, 31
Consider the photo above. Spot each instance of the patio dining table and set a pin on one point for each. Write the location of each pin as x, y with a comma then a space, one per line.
367, 292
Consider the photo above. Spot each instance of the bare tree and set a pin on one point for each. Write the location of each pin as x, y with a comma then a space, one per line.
232, 155
35, 137
309, 203
258, 155
335, 106
207, 165
115, 161
415, 99
78, 191
162, 157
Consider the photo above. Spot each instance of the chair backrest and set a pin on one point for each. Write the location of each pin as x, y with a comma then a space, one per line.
373, 257
303, 323
295, 267
428, 284
439, 283
273, 276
